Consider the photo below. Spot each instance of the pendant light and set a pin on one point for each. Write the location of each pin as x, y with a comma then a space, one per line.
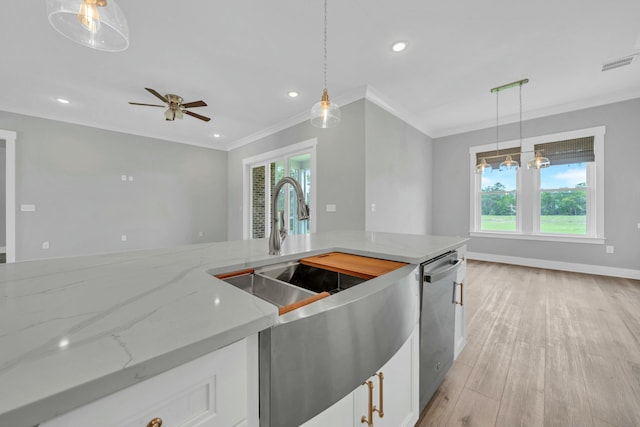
483, 166
325, 114
509, 163
98, 24
538, 162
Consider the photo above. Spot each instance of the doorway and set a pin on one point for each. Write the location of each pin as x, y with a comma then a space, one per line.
8, 149
262, 172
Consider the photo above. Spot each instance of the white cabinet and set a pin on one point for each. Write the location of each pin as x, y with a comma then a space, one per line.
219, 389
460, 334
398, 391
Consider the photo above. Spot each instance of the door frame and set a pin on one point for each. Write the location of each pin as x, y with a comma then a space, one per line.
10, 196
308, 145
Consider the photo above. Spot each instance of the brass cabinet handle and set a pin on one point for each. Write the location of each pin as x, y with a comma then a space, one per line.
364, 419
380, 410
156, 422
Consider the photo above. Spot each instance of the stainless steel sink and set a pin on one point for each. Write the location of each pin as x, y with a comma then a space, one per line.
311, 278
315, 355
274, 291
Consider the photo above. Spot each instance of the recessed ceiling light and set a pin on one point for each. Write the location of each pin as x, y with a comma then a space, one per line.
63, 101
293, 94
216, 135
399, 46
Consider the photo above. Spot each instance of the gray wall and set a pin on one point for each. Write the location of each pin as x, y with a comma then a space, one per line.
3, 188
73, 176
622, 187
398, 174
340, 167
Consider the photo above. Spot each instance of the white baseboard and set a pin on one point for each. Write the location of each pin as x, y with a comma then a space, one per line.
600, 270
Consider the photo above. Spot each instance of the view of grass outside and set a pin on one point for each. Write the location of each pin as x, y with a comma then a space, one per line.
498, 223
563, 200
553, 224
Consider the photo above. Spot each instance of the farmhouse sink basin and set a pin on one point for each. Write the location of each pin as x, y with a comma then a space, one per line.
274, 291
362, 328
311, 278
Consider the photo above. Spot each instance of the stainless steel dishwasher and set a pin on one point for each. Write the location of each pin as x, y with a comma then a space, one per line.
437, 321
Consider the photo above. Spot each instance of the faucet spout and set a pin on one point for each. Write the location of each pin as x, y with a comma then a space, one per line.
276, 238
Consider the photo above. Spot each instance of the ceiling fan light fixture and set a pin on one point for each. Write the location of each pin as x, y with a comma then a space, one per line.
98, 24
170, 115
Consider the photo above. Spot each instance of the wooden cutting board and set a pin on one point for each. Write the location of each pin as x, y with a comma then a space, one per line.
354, 265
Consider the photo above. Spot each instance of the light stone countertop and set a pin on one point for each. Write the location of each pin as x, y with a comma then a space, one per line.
76, 329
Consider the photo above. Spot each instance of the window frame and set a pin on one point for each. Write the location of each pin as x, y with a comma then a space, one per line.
528, 191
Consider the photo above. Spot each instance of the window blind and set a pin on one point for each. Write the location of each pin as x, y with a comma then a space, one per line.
495, 157
569, 151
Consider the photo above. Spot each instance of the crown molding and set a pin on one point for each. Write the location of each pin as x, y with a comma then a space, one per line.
301, 117
542, 112
376, 97
367, 92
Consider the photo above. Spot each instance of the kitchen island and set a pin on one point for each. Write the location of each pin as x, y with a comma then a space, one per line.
73, 330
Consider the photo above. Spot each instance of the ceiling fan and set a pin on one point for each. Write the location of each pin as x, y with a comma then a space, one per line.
176, 108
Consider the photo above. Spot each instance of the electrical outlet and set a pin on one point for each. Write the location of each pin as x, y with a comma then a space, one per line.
200, 234
123, 237
373, 207
123, 177
331, 208
45, 245
130, 178
609, 249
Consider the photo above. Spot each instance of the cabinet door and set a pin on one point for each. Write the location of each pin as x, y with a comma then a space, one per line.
211, 391
341, 414
399, 389
461, 309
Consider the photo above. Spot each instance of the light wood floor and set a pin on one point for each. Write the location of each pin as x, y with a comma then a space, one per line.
544, 348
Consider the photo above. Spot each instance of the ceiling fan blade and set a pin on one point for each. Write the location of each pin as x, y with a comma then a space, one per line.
156, 94
197, 116
195, 104
148, 105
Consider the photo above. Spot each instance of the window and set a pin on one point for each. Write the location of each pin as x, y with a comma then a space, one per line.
564, 202
262, 173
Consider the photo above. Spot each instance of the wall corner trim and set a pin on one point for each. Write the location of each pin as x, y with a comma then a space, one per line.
600, 270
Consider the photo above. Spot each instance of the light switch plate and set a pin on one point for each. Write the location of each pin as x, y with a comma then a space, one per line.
331, 208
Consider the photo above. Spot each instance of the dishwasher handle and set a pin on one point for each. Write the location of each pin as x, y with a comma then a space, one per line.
438, 274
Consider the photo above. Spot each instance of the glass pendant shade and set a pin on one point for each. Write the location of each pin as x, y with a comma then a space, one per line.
538, 162
509, 164
483, 166
325, 114
98, 24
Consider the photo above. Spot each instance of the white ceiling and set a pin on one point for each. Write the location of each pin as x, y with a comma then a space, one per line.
242, 57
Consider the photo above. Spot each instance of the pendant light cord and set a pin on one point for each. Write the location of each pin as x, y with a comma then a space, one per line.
497, 125
325, 44
520, 116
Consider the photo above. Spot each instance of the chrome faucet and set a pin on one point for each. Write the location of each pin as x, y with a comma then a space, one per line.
275, 239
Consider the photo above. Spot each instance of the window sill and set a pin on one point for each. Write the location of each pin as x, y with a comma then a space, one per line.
540, 237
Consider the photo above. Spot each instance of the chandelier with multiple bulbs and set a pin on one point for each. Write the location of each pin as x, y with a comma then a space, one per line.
538, 162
